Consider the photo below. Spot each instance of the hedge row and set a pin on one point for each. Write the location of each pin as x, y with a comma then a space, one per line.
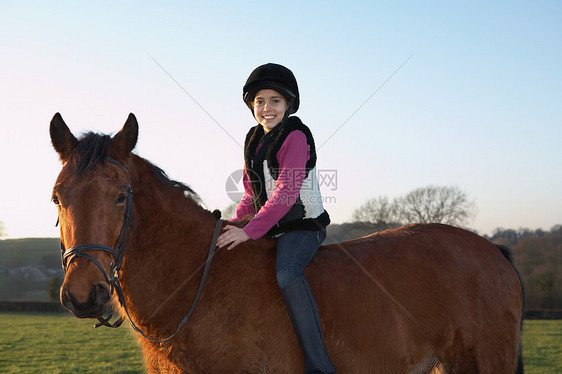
31, 306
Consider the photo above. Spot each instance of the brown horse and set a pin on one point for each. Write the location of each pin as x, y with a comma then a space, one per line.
418, 299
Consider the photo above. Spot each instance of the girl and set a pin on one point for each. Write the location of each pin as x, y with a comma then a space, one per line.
282, 192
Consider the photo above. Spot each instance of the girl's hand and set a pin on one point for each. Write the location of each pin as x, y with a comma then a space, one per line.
232, 235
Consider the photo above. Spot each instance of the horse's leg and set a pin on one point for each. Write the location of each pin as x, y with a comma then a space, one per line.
485, 359
460, 365
495, 347
498, 359
459, 357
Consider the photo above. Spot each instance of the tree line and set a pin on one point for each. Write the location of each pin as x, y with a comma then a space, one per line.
538, 258
435, 204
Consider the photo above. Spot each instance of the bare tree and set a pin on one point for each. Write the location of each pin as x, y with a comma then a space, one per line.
436, 204
377, 210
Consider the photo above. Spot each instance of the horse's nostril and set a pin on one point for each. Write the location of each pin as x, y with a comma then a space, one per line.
100, 294
93, 307
67, 299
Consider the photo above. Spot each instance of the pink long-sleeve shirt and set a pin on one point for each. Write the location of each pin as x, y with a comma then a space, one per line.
292, 157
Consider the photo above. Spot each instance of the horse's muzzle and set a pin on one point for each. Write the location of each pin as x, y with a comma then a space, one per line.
94, 307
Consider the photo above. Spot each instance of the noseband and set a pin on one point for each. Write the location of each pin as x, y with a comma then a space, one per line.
117, 252
67, 255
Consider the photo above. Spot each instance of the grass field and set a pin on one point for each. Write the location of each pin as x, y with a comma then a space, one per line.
542, 347
60, 343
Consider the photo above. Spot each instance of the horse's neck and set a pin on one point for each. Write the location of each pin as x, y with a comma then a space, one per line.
169, 242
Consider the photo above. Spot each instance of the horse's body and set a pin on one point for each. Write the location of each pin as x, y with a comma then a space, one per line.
417, 299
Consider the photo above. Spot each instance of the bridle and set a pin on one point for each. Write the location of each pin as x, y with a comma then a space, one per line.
118, 252
67, 255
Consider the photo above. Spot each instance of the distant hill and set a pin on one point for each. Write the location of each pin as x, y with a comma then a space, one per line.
20, 252
27, 266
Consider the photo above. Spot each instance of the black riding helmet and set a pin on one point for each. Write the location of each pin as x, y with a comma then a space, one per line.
275, 77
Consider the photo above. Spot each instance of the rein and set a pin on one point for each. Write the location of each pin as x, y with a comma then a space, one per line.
67, 255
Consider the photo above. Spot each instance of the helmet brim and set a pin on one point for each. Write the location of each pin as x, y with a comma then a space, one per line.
284, 90
289, 95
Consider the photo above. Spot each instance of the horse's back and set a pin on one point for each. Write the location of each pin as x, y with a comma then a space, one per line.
418, 293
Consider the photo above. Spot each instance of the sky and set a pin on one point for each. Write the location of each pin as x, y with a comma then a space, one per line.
398, 94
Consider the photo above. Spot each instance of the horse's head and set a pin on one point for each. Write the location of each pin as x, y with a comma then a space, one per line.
94, 200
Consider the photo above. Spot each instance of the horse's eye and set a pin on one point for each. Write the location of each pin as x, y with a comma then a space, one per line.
55, 200
121, 198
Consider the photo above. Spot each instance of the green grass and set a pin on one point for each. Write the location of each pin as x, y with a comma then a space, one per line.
542, 347
60, 343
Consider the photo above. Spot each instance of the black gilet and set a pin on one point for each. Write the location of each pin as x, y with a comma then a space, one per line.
271, 143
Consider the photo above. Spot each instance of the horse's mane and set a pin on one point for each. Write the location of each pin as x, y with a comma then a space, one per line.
166, 181
92, 149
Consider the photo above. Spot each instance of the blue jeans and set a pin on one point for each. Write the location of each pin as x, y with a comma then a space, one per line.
295, 250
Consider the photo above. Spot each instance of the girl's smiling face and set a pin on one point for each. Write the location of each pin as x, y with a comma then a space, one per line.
269, 108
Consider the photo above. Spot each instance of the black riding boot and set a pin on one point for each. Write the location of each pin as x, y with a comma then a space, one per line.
306, 322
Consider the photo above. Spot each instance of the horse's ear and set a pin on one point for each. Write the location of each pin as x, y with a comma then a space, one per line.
126, 139
61, 137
